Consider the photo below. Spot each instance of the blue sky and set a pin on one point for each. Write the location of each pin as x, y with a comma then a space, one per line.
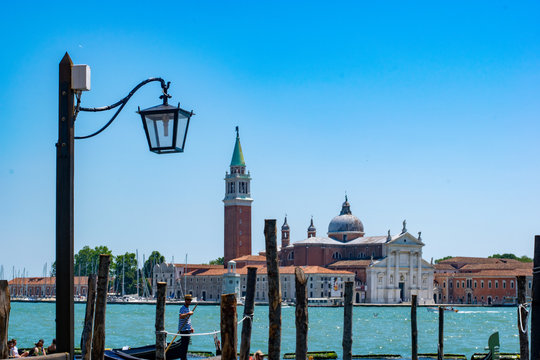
424, 111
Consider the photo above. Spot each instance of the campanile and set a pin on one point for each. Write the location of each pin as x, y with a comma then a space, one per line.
237, 236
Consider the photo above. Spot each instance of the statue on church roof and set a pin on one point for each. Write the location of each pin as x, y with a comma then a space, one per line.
389, 237
404, 230
419, 236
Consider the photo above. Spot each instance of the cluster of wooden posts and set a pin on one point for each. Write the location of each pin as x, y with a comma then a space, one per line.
93, 336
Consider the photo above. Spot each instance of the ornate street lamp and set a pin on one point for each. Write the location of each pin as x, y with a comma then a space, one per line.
161, 124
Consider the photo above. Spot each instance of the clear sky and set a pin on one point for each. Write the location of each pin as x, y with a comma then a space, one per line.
425, 111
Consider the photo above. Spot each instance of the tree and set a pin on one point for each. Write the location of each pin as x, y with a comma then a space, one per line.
444, 258
53, 269
218, 261
511, 256
125, 268
87, 260
148, 268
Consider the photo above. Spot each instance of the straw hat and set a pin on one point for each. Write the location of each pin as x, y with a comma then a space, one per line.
188, 297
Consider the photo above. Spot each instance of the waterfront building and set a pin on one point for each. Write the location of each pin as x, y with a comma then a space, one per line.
473, 280
43, 287
388, 269
172, 274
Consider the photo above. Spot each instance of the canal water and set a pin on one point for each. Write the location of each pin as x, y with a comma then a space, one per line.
376, 330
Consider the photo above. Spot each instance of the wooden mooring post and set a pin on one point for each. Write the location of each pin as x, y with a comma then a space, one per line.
98, 338
414, 329
274, 291
5, 308
522, 318
440, 347
161, 335
535, 306
249, 306
347, 321
301, 314
229, 337
86, 337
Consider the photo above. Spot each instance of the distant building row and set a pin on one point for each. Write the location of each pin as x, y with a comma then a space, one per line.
209, 284
472, 280
44, 287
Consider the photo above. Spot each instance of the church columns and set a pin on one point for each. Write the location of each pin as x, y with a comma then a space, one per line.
419, 264
388, 272
411, 277
396, 270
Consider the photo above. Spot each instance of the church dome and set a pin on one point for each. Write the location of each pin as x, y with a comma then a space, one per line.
345, 223
345, 226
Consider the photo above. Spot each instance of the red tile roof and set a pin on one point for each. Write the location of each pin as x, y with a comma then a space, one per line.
251, 258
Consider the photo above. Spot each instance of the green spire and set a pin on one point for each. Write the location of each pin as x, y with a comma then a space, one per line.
238, 156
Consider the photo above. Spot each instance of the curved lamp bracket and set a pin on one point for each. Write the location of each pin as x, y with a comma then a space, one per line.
121, 104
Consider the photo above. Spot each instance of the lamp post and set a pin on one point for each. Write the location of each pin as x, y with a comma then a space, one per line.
161, 124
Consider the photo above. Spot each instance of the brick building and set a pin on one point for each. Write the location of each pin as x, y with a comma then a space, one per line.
471, 280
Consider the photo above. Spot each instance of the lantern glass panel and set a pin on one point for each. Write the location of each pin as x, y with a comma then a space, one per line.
183, 123
160, 130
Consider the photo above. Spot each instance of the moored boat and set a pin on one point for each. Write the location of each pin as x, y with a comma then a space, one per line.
446, 308
143, 352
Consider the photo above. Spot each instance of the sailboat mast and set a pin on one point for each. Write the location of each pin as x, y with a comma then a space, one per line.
123, 275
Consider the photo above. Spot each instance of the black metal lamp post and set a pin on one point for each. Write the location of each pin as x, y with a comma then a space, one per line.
161, 124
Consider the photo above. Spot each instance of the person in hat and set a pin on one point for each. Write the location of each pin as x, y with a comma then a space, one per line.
259, 355
184, 326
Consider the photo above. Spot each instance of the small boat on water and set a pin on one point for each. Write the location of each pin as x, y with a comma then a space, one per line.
147, 352
446, 308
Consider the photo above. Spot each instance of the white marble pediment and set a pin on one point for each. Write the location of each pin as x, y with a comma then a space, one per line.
405, 239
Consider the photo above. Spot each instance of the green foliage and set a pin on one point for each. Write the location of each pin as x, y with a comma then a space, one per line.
125, 266
377, 356
446, 356
201, 354
87, 260
218, 261
502, 356
444, 258
316, 355
511, 256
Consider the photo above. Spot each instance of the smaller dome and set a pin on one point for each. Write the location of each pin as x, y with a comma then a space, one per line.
345, 226
311, 227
